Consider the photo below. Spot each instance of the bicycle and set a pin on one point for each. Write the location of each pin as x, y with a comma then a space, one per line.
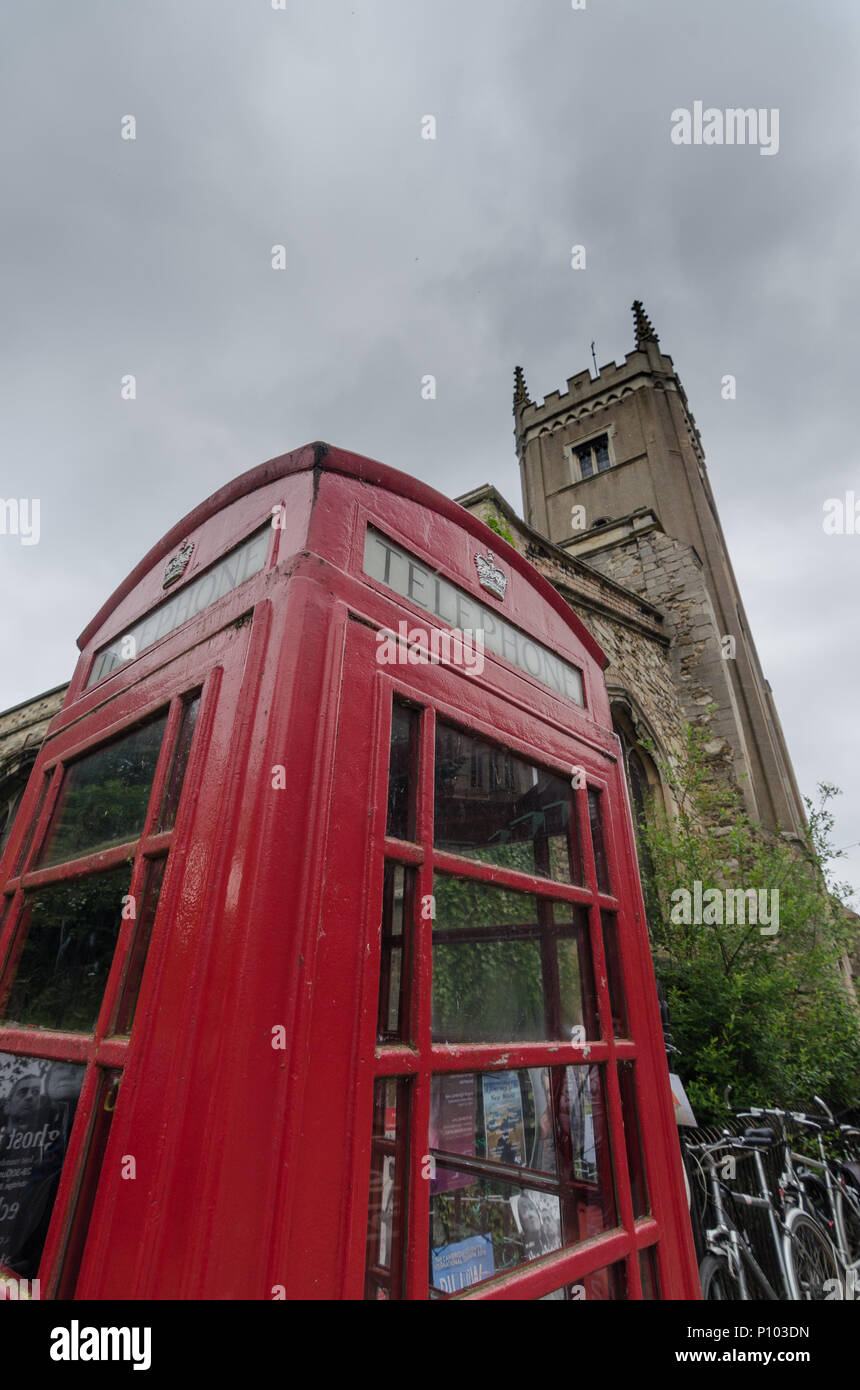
804, 1255
829, 1185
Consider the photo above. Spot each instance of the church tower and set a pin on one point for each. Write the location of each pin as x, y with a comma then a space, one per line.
613, 472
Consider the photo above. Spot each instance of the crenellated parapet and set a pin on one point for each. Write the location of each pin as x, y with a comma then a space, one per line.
645, 367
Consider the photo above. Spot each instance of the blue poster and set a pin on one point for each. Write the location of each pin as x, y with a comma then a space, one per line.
503, 1118
462, 1264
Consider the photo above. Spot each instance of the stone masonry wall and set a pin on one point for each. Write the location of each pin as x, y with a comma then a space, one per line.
669, 574
641, 663
22, 732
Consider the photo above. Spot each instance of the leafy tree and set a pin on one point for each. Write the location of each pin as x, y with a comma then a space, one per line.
768, 1014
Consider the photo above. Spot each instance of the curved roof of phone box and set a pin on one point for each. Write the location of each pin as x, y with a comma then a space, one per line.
327, 458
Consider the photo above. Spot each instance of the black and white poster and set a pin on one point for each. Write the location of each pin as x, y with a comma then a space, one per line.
38, 1099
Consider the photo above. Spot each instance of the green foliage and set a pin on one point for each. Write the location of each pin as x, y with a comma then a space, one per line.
767, 1014
496, 524
488, 989
493, 990
68, 950
97, 816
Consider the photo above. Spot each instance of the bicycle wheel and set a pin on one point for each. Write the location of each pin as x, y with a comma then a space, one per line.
851, 1222
811, 1262
716, 1280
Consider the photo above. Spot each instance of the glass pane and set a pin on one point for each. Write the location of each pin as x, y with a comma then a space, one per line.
140, 945
648, 1273
615, 979
595, 817
173, 790
633, 1139
500, 809
521, 1167
402, 773
601, 453
509, 967
405, 574
603, 1285
387, 1209
397, 916
105, 1104
195, 596
586, 468
28, 838
38, 1100
12, 796
70, 932
104, 796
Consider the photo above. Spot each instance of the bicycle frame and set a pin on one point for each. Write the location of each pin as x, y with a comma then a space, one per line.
836, 1196
727, 1238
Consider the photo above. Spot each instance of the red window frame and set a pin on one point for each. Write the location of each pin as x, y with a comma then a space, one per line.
104, 1053
418, 1059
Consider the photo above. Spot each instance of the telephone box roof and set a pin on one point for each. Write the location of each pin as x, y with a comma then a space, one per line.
326, 458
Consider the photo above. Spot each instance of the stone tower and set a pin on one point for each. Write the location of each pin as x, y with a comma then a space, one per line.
613, 472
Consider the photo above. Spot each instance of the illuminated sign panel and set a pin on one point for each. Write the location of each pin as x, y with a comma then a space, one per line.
411, 579
243, 562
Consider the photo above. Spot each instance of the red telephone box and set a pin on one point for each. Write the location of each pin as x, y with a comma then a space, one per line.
324, 963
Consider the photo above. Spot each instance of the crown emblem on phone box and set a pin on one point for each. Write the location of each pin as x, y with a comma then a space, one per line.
177, 566
490, 577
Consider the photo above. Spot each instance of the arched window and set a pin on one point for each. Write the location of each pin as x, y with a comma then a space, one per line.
645, 788
11, 792
637, 779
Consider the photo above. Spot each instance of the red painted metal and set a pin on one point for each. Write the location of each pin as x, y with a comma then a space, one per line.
251, 1161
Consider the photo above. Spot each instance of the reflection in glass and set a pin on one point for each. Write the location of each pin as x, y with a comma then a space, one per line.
633, 1139
521, 1168
176, 776
70, 931
397, 916
140, 944
107, 1093
498, 808
12, 796
38, 1099
615, 978
104, 796
387, 1207
595, 817
34, 821
402, 772
648, 1273
509, 967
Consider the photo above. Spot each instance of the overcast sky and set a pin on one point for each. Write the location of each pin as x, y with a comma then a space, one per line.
404, 256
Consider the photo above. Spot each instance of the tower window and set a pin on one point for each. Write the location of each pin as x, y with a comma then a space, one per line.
593, 457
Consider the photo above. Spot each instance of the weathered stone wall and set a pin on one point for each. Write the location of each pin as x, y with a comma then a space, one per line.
669, 574
22, 732
642, 673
